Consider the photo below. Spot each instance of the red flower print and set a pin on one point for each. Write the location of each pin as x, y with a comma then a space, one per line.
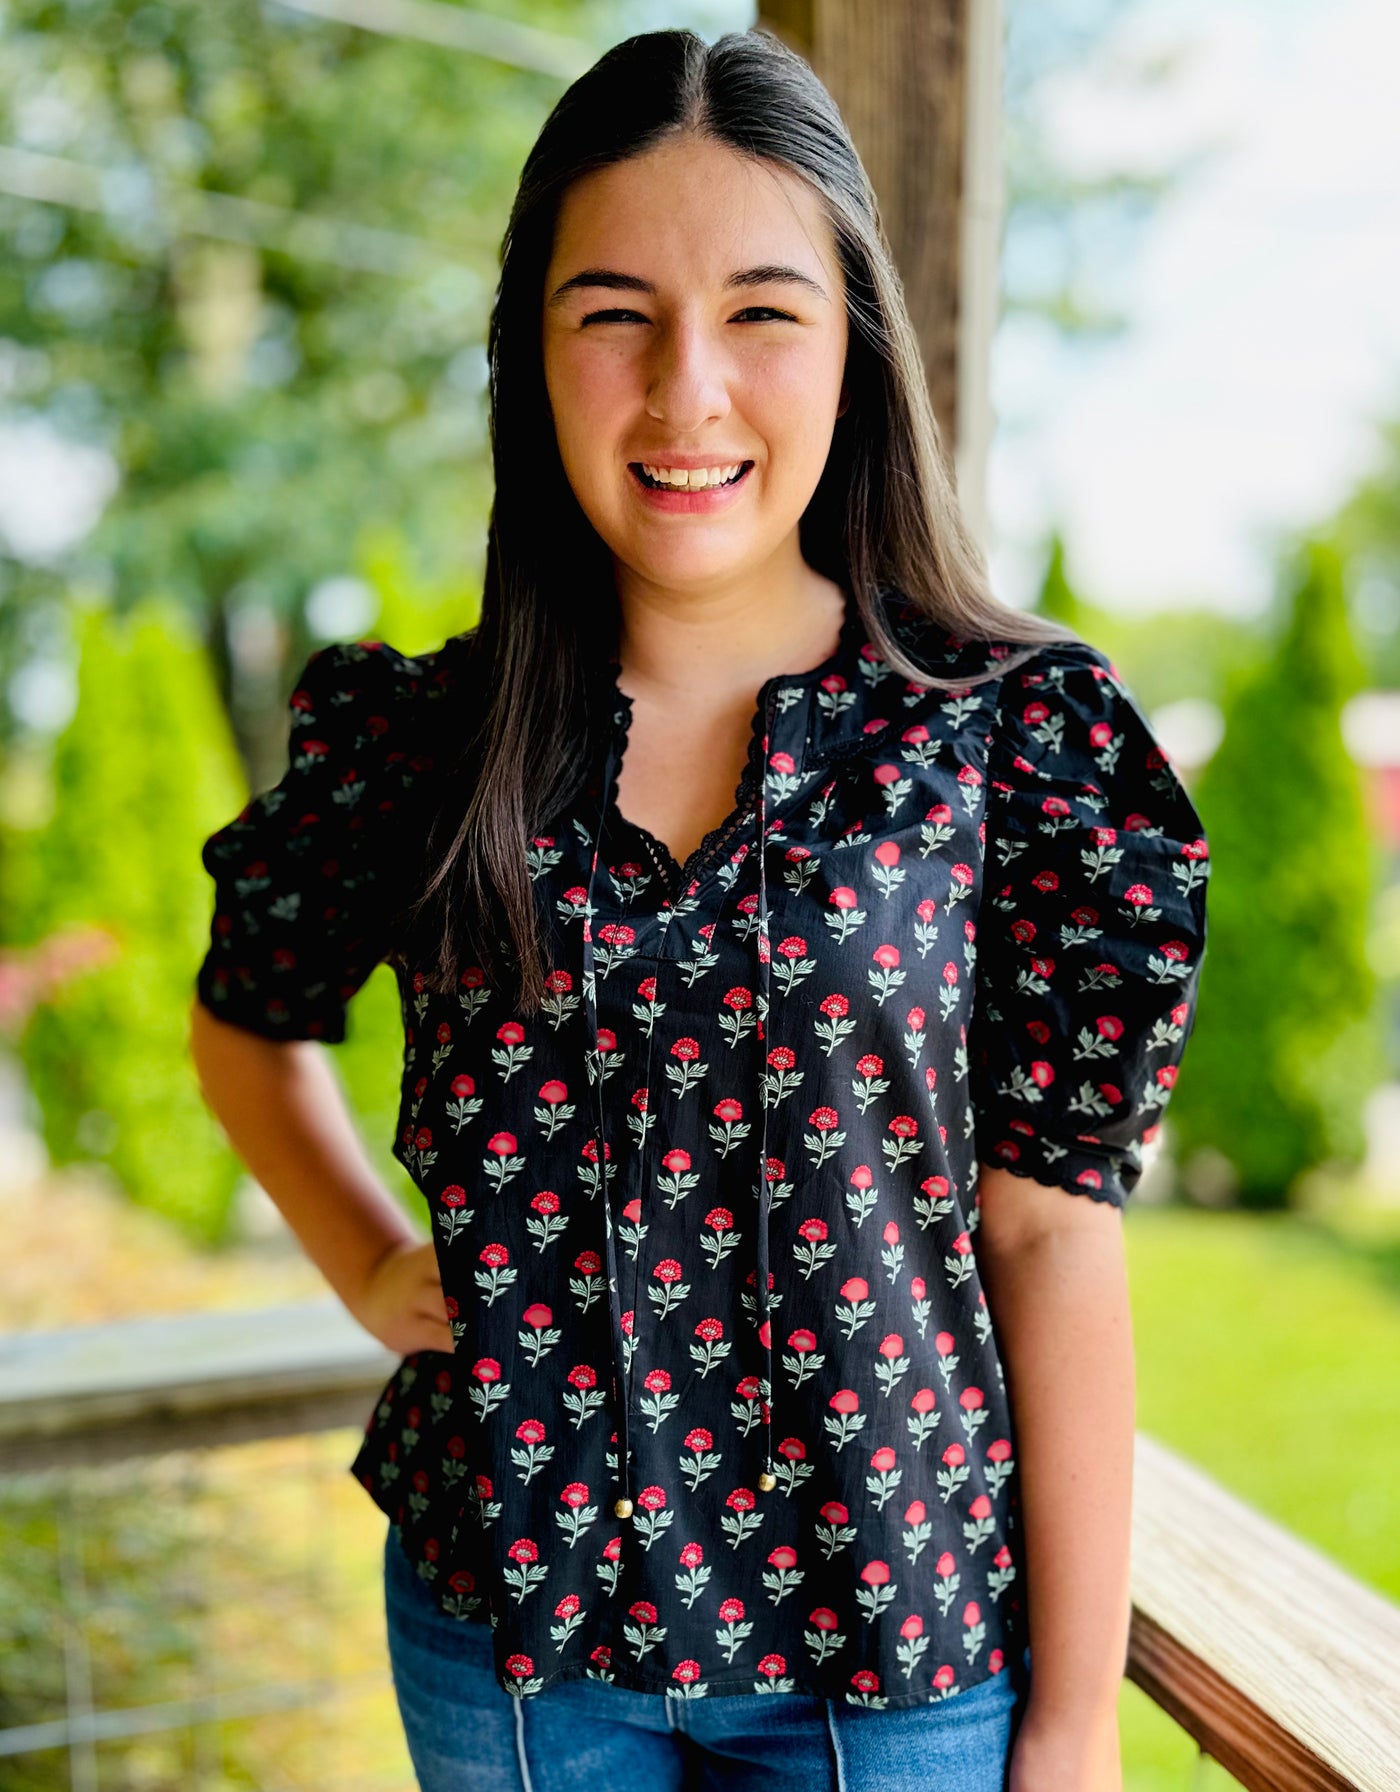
486, 1369
658, 1381
692, 1556
495, 1255
652, 1499
742, 1500
709, 1330
519, 1667
686, 1671
523, 1550
583, 1377
719, 1219
731, 1611
676, 1161
772, 1666
667, 1270
823, 1618
803, 1341
530, 1431
643, 1611
814, 1231
784, 1556
875, 1574
567, 1606
574, 1495
845, 1400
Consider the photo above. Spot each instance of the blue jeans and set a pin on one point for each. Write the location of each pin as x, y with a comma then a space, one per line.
466, 1734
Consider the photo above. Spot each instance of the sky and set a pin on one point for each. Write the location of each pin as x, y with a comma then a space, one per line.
1264, 338
1265, 324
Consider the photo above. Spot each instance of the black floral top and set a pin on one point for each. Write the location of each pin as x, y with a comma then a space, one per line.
726, 1412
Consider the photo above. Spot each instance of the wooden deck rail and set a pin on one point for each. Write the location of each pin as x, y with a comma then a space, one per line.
1280, 1664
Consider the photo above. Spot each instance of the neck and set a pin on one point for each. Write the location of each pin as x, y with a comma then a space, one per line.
698, 642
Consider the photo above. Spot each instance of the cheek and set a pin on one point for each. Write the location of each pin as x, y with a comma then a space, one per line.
792, 393
588, 385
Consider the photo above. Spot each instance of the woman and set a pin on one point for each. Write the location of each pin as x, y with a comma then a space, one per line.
799, 917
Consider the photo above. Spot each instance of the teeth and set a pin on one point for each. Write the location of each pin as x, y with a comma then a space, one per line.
694, 479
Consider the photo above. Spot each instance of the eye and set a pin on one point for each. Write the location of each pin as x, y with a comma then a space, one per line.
609, 316
771, 310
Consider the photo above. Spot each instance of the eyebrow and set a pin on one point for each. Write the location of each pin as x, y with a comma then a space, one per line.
766, 274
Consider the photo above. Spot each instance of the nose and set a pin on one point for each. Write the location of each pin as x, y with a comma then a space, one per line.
688, 377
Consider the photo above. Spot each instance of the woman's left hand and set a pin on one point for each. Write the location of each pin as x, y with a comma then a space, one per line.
1056, 1753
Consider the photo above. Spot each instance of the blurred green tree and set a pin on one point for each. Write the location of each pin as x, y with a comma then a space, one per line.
142, 774
1286, 1046
258, 284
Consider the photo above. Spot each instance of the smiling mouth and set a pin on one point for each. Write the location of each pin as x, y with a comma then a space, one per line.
659, 485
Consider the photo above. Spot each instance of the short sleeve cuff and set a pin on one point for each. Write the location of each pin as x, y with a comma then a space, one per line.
1103, 1172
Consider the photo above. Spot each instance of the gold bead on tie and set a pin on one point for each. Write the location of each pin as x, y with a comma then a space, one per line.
767, 1482
622, 1508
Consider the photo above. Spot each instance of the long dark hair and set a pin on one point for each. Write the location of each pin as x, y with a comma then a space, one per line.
884, 513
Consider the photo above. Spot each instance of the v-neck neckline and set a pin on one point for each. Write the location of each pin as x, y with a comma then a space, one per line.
679, 877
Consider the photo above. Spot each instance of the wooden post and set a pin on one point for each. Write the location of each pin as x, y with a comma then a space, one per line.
918, 83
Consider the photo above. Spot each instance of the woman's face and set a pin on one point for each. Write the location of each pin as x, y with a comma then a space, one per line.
694, 317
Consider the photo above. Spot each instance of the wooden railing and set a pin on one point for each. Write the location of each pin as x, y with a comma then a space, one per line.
1281, 1665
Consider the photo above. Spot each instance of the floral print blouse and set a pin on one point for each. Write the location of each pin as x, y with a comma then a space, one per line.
726, 1412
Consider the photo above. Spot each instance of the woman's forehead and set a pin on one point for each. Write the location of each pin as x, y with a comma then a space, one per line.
692, 210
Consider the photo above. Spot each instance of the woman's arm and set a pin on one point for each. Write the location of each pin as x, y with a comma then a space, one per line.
1053, 1268
281, 1106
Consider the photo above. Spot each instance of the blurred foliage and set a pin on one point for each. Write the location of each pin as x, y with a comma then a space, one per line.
269, 396
142, 774
1286, 1045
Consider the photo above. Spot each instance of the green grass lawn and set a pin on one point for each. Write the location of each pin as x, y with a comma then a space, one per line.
1268, 1352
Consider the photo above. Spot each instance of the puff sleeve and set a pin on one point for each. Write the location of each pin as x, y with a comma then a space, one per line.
1091, 932
307, 878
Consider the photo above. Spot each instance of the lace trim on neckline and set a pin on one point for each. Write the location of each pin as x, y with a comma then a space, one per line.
674, 874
